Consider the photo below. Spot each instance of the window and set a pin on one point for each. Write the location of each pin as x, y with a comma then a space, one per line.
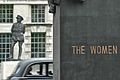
6, 13
40, 70
38, 13
38, 45
5, 39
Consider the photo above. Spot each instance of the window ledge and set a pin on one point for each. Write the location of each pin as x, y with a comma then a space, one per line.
37, 23
23, 2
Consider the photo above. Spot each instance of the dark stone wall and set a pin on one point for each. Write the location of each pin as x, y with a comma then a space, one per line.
94, 22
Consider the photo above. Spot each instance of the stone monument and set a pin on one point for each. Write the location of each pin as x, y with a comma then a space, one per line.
86, 40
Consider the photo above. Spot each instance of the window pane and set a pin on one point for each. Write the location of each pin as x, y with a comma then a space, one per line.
38, 45
4, 46
38, 13
6, 13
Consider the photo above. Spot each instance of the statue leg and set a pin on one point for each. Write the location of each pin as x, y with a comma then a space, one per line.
20, 49
12, 48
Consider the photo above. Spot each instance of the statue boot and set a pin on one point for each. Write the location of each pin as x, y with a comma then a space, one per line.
10, 57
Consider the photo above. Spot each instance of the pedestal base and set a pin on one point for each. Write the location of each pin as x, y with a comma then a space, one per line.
7, 68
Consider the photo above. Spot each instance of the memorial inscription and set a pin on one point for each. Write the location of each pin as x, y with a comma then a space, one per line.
110, 49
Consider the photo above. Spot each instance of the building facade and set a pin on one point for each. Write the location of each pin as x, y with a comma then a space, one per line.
38, 28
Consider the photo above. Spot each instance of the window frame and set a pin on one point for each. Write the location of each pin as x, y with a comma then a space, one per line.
38, 13
5, 42
38, 76
38, 48
6, 13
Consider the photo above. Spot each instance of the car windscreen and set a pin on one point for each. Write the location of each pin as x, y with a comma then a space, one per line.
17, 68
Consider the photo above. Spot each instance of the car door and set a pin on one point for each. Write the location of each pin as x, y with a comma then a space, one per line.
39, 71
38, 78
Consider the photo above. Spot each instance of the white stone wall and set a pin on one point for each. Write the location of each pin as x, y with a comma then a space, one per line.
7, 69
23, 10
48, 16
49, 38
49, 42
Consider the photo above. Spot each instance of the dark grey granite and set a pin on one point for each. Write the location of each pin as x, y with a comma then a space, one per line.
56, 40
94, 22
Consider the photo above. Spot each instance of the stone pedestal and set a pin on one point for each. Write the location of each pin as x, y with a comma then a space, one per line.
7, 68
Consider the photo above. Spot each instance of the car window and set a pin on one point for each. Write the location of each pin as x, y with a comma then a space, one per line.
16, 69
50, 70
42, 69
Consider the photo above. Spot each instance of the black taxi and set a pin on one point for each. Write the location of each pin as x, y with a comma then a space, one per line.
33, 69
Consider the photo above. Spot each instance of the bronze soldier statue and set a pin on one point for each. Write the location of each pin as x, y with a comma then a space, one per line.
18, 29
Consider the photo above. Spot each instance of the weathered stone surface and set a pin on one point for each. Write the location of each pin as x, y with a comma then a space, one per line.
95, 22
7, 69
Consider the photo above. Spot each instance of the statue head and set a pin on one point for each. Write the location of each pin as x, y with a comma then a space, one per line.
19, 18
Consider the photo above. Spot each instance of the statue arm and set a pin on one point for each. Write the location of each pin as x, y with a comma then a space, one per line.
23, 29
12, 28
